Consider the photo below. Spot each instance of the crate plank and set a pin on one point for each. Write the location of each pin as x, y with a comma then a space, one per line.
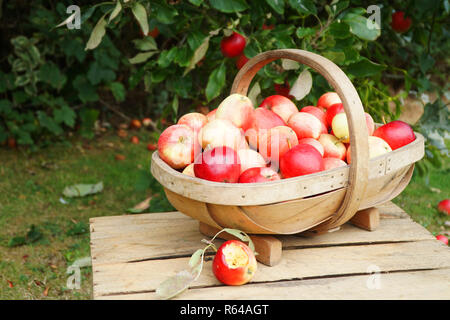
158, 235
295, 264
417, 285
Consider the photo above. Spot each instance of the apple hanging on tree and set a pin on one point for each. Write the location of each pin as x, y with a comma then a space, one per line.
233, 45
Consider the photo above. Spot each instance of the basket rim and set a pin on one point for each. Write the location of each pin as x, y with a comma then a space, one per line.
195, 188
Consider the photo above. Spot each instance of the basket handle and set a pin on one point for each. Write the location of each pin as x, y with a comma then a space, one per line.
359, 167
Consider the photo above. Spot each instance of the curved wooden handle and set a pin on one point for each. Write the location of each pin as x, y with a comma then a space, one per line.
359, 167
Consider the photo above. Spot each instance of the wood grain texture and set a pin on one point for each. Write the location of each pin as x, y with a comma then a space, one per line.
295, 264
417, 285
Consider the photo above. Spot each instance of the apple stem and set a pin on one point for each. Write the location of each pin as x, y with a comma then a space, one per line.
289, 143
383, 119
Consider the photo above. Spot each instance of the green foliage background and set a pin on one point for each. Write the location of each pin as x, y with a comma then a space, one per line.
56, 81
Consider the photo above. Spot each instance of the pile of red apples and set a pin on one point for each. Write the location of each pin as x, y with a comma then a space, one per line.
237, 143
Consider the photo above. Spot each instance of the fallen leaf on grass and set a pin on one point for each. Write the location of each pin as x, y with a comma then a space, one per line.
141, 206
119, 157
10, 284
81, 190
46, 291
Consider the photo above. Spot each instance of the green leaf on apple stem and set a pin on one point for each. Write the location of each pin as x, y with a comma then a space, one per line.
216, 82
241, 235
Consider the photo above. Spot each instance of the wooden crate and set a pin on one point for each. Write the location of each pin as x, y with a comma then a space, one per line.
132, 254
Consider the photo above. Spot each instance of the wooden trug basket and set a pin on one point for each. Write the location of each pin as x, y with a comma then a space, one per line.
314, 203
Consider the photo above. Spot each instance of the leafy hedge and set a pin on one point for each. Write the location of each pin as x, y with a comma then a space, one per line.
57, 80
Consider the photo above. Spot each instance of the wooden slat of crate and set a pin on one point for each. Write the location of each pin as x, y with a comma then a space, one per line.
414, 285
133, 254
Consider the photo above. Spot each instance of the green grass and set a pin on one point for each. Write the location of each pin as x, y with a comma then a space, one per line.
30, 190
31, 186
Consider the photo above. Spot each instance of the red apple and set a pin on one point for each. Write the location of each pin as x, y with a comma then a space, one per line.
220, 164
333, 148
444, 206
281, 105
134, 140
283, 89
317, 112
250, 159
399, 23
377, 147
301, 160
220, 132
234, 263
241, 61
396, 133
261, 119
176, 146
233, 45
313, 142
331, 163
236, 108
260, 174
306, 125
275, 142
152, 147
442, 238
194, 120
211, 115
328, 99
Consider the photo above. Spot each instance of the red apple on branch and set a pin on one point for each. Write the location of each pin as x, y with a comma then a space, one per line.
233, 45
400, 23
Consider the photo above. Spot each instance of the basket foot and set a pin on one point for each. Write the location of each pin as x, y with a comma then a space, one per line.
268, 247
367, 219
